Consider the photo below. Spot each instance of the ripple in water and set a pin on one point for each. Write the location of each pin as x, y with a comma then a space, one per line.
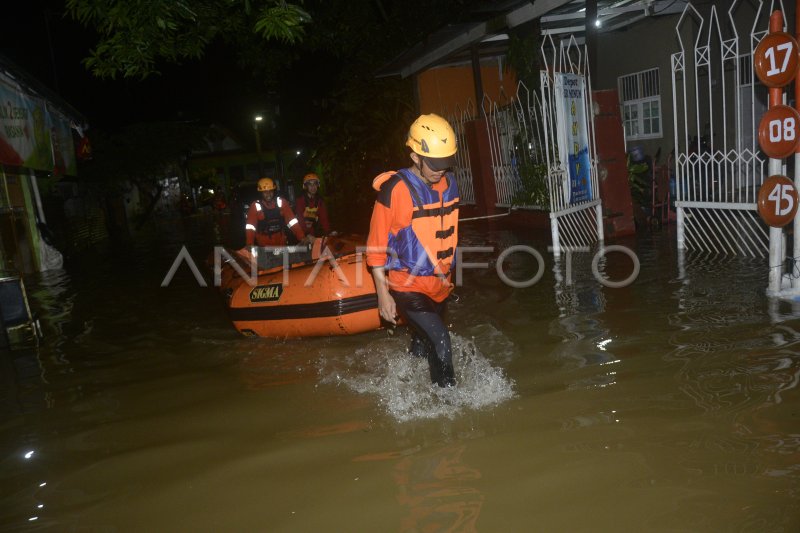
402, 382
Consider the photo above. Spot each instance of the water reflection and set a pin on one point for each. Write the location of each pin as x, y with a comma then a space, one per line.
437, 488
669, 404
738, 369
582, 304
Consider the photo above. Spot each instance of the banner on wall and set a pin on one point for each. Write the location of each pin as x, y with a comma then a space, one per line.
32, 136
64, 158
84, 149
573, 136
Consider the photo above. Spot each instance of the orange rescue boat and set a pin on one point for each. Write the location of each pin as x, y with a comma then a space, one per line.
326, 290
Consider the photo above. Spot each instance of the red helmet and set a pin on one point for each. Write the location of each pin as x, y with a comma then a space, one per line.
311, 176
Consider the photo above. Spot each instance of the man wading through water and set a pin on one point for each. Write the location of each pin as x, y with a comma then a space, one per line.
412, 242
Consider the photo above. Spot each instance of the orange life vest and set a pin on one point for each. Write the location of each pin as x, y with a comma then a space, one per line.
428, 246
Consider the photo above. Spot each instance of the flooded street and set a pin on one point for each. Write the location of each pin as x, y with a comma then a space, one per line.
668, 405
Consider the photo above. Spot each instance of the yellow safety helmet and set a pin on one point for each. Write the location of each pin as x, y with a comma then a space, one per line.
311, 176
266, 184
432, 137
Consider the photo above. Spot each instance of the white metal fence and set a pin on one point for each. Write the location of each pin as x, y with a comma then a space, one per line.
576, 221
462, 169
530, 146
516, 141
719, 168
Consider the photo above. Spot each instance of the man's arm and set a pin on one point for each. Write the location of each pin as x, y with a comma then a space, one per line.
386, 304
380, 226
299, 211
251, 224
292, 223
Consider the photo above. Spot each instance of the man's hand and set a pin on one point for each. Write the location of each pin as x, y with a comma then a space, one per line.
308, 239
387, 307
386, 304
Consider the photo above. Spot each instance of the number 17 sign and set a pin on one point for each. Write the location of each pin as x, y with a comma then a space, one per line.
776, 59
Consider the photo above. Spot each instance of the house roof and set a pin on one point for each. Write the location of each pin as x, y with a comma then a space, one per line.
611, 14
36, 88
454, 42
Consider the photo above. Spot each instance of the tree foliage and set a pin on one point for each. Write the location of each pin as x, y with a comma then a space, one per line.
363, 120
523, 57
362, 135
134, 36
356, 122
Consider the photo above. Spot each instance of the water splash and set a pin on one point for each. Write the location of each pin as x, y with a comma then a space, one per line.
402, 383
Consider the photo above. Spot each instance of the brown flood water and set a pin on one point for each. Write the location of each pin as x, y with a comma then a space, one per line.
668, 405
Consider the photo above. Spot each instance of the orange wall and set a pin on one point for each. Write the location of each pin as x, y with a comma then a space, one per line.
443, 89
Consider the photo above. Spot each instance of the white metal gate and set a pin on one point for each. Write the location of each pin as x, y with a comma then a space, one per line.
576, 215
716, 106
516, 143
462, 168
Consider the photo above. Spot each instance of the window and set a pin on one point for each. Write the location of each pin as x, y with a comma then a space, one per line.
640, 97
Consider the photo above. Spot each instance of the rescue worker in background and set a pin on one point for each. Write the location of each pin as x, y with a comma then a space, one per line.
219, 203
412, 242
310, 208
267, 217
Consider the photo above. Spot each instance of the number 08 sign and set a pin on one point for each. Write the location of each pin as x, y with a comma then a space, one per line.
777, 131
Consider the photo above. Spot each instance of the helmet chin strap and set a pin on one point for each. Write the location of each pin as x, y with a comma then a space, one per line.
421, 172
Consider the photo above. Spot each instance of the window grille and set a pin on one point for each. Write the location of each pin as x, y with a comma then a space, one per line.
640, 95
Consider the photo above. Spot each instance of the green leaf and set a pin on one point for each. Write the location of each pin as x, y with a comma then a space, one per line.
283, 22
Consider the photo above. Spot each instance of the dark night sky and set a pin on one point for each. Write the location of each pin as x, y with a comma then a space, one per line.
212, 90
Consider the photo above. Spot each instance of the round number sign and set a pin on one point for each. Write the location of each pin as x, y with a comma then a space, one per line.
778, 131
777, 201
776, 59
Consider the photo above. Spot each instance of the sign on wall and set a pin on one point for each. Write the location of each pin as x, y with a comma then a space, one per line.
573, 133
32, 136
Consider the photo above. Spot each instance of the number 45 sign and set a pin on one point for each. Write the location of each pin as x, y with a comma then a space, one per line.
777, 201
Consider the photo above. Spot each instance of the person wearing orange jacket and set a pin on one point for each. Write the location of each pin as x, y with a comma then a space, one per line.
267, 217
311, 209
411, 247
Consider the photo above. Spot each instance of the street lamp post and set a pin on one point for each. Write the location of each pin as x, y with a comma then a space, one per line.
256, 121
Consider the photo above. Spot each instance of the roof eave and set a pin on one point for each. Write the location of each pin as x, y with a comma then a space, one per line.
472, 36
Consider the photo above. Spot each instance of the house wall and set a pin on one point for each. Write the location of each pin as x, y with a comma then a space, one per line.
645, 45
19, 236
442, 90
648, 43
651, 42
